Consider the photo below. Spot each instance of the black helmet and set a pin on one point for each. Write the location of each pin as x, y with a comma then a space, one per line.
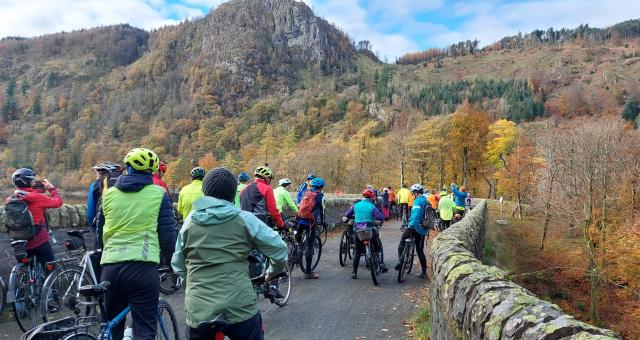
311, 176
197, 173
23, 177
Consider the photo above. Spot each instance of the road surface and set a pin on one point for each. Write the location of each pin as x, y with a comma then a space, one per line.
332, 307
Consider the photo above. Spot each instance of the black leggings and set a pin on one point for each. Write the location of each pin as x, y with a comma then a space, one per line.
43, 254
360, 249
419, 239
246, 330
310, 230
404, 211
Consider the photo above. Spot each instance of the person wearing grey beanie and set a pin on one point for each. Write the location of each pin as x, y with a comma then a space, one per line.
210, 254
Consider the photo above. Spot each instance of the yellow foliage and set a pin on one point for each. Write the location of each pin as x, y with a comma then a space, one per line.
503, 135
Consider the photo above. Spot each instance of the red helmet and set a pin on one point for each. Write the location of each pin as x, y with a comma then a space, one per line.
162, 167
368, 193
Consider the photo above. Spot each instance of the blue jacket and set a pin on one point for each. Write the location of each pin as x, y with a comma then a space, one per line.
318, 210
301, 191
385, 198
364, 212
417, 215
91, 204
135, 181
459, 197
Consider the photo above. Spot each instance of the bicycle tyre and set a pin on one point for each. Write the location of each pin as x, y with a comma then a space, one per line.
323, 232
171, 326
3, 295
25, 310
80, 336
170, 282
344, 248
287, 291
63, 281
404, 262
372, 263
317, 249
413, 255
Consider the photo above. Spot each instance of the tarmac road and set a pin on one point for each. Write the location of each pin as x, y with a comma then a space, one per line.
332, 307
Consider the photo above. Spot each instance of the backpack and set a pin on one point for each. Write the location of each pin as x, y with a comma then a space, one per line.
307, 204
105, 182
18, 219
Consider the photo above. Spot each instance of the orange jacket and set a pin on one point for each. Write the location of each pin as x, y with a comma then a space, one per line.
392, 196
433, 199
411, 198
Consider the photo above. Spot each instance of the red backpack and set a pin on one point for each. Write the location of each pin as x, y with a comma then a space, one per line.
307, 204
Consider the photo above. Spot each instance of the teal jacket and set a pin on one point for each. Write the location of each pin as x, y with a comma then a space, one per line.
417, 214
459, 197
211, 255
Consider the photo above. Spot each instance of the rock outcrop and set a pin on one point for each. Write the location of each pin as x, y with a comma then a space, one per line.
470, 300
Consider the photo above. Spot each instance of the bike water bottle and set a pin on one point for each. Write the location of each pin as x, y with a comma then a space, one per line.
128, 334
53, 237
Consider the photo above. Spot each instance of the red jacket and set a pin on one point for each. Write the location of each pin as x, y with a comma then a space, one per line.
158, 181
37, 203
258, 198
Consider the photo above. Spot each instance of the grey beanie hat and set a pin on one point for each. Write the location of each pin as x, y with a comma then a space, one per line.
220, 183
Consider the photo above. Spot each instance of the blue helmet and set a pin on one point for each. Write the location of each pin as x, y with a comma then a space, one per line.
243, 177
317, 182
311, 176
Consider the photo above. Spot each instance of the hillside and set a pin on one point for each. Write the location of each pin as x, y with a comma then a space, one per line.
260, 81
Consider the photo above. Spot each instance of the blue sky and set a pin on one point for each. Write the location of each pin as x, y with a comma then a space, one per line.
394, 27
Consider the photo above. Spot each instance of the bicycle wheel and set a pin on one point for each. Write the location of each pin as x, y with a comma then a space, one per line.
344, 248
80, 336
284, 285
412, 250
170, 282
373, 264
323, 232
167, 322
316, 253
404, 262
25, 298
3, 295
61, 294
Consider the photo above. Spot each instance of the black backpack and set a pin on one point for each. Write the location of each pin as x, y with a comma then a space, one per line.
18, 219
105, 182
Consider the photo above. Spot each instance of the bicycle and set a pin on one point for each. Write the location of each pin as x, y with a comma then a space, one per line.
64, 282
68, 329
170, 282
3, 295
407, 257
258, 265
25, 287
371, 255
297, 250
347, 244
322, 232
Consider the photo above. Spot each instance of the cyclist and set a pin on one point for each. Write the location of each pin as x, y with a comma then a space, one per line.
216, 275
310, 214
364, 213
303, 187
416, 229
257, 198
37, 203
107, 174
243, 179
393, 206
385, 203
190, 192
139, 227
403, 201
157, 177
446, 206
433, 199
283, 197
459, 197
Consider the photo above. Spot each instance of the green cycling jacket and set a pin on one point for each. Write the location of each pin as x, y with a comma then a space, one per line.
189, 194
283, 198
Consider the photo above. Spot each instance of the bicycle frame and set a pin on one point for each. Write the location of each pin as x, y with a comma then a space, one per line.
30, 269
105, 334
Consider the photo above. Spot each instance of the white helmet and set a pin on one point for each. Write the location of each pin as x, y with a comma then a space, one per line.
284, 181
417, 188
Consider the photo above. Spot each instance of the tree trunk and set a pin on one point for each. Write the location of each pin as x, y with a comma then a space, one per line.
633, 202
402, 167
465, 153
547, 207
520, 207
441, 167
495, 188
489, 183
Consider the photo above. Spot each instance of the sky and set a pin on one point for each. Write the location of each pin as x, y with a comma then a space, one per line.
394, 27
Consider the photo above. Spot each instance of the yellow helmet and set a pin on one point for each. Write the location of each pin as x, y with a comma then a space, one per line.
142, 159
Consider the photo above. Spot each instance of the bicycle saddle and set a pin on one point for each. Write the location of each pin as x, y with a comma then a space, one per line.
218, 321
18, 242
95, 290
78, 233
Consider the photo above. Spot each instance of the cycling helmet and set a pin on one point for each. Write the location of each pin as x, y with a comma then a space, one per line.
162, 167
243, 177
284, 182
417, 188
23, 177
142, 159
197, 173
311, 176
317, 182
368, 193
263, 171
108, 167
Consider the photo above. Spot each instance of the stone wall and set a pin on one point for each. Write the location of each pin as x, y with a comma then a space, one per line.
67, 216
470, 300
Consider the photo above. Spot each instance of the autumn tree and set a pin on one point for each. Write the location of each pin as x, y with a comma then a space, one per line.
503, 137
519, 178
208, 161
429, 148
630, 111
548, 151
468, 136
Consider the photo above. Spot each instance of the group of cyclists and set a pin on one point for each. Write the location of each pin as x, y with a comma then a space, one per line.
225, 217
